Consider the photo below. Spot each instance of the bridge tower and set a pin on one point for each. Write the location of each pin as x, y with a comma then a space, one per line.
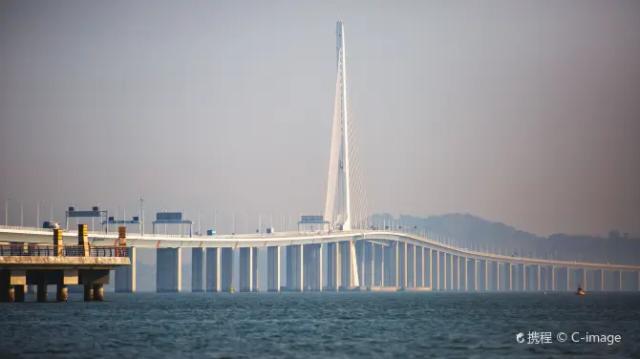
337, 209
338, 201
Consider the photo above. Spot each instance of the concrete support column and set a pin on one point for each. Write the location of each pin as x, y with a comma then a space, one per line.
538, 280
423, 266
455, 272
486, 275
405, 264
312, 267
273, 269
602, 286
344, 265
382, 265
568, 279
498, 286
98, 292
295, 269
168, 271
475, 274
372, 264
397, 283
12, 285
213, 270
246, 269
584, 279
450, 272
126, 275
226, 269
524, 277
466, 274
8, 294
461, 274
437, 270
620, 280
62, 292
510, 276
414, 266
553, 278
430, 267
333, 266
418, 254
197, 267
363, 261
445, 271
320, 267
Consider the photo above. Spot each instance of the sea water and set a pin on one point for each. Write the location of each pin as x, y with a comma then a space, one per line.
322, 325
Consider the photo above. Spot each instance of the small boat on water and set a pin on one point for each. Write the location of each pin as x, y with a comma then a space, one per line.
581, 291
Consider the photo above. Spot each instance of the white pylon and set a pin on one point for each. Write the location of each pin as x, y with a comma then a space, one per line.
338, 202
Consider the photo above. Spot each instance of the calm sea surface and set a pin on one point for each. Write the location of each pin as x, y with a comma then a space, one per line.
318, 325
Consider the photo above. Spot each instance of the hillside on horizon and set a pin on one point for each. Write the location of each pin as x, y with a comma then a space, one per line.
470, 231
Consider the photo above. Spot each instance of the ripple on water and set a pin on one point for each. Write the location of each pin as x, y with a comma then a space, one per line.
316, 325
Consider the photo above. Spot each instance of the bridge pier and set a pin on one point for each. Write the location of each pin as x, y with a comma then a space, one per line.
273, 269
498, 287
213, 272
312, 271
455, 273
436, 269
126, 275
12, 284
226, 269
409, 265
168, 270
295, 268
486, 275
62, 292
248, 269
333, 267
197, 265
418, 267
619, 281
368, 268
450, 272
391, 264
348, 267
465, 270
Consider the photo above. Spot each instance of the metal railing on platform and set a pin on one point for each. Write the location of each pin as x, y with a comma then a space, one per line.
32, 250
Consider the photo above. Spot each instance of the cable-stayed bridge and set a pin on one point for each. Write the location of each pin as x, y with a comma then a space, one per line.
346, 255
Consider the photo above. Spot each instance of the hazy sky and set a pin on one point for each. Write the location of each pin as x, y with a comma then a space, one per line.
526, 112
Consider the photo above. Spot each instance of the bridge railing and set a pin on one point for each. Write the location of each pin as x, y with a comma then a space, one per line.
40, 250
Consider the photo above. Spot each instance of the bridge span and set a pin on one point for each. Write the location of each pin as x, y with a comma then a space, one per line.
345, 260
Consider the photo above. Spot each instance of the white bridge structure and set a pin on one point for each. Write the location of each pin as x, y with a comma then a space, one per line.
348, 256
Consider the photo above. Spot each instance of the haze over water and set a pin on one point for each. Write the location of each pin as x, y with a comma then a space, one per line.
321, 325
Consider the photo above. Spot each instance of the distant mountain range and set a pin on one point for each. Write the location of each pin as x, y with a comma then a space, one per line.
474, 232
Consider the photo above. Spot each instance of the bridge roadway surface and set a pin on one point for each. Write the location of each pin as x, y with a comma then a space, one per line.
42, 235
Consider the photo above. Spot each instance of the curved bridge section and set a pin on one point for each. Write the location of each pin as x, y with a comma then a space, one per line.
382, 260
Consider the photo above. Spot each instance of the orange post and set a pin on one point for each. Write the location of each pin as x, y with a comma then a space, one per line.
83, 239
57, 242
